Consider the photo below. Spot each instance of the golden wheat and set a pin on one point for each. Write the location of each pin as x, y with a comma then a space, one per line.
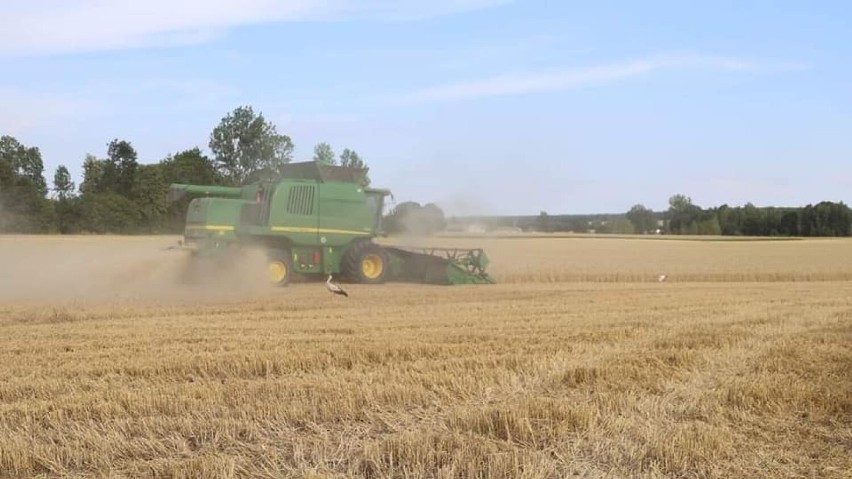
543, 375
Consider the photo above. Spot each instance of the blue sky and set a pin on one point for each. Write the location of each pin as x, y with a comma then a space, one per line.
483, 106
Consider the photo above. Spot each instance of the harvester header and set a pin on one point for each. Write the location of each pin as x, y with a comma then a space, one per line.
315, 220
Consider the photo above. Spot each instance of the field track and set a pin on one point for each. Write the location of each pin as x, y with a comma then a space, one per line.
577, 363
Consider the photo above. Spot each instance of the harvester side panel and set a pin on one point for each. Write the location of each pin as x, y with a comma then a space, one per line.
294, 212
344, 214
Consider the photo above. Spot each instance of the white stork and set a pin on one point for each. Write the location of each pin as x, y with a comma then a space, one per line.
662, 278
335, 289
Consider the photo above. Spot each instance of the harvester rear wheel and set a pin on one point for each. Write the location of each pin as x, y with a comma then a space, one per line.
279, 267
366, 262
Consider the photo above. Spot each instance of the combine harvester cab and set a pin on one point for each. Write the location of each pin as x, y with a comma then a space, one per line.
314, 221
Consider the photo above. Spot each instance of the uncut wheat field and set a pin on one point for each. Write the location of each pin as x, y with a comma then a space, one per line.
578, 363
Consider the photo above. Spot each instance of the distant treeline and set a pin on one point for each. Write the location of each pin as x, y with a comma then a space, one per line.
682, 218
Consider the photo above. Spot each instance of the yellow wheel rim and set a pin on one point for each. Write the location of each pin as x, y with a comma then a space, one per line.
276, 271
372, 266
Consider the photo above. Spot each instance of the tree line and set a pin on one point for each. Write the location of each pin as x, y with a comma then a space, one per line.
683, 217
118, 194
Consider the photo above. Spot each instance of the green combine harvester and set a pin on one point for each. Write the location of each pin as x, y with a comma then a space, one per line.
314, 221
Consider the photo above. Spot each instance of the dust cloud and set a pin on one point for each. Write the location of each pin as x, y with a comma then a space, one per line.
467, 205
96, 268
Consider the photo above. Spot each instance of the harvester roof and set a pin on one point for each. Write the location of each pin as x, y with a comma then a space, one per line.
311, 170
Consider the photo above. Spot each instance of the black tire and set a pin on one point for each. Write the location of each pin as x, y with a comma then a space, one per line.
279, 267
366, 263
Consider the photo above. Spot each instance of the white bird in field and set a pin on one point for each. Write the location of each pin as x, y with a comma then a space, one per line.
335, 288
662, 278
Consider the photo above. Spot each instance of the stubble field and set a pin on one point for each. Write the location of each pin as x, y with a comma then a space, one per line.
578, 363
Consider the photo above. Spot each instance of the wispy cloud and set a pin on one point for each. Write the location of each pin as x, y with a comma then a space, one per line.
29, 27
24, 110
183, 93
566, 79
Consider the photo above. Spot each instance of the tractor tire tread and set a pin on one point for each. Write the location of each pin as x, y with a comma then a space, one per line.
351, 264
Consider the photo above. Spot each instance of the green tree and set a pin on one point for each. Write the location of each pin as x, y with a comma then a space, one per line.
63, 185
23, 189
93, 175
752, 222
729, 220
351, 159
683, 215
107, 203
149, 197
107, 213
63, 188
826, 219
543, 222
68, 215
189, 167
642, 219
324, 154
120, 167
709, 226
24, 165
789, 223
247, 147
113, 174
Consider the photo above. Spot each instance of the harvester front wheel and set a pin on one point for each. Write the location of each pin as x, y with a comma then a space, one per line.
366, 263
279, 267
